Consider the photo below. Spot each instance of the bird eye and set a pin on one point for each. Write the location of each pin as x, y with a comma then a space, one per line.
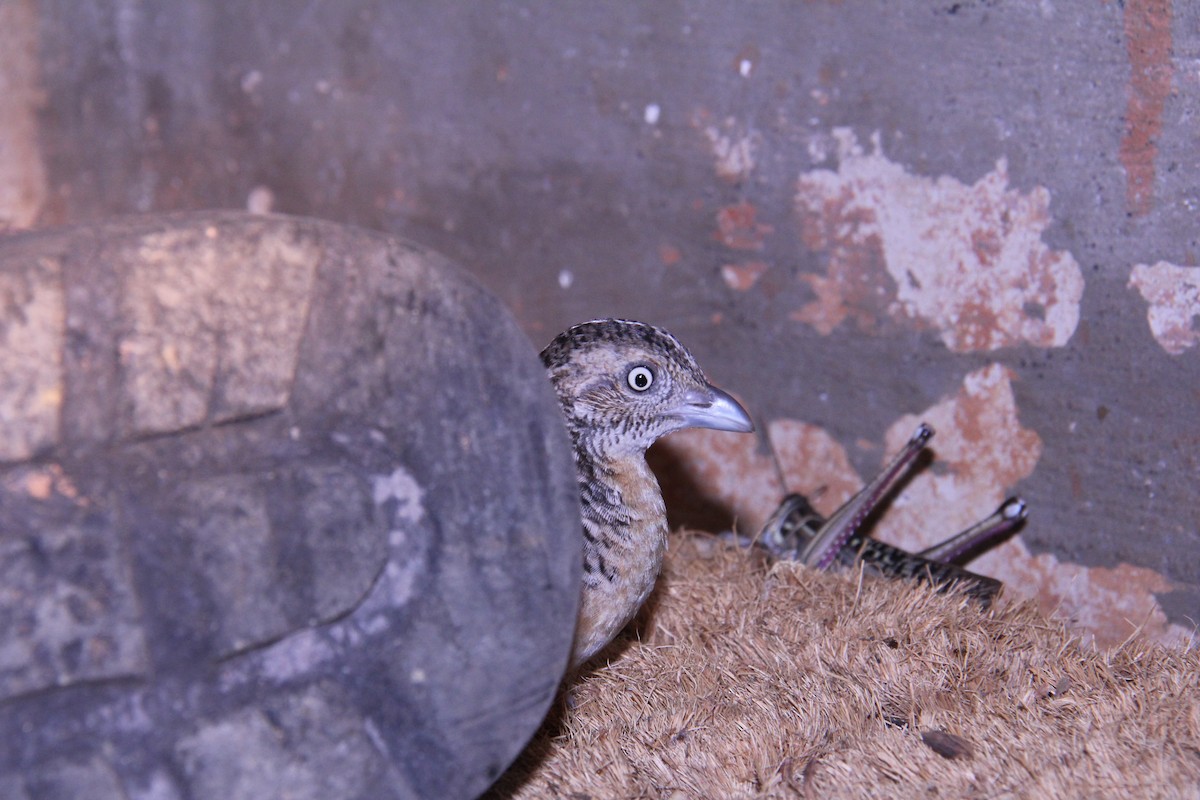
640, 378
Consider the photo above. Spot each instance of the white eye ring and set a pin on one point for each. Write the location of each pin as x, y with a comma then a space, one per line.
640, 378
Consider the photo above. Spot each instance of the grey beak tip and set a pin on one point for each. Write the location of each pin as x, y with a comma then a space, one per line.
718, 411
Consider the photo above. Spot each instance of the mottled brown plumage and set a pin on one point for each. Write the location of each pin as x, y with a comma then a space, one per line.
622, 385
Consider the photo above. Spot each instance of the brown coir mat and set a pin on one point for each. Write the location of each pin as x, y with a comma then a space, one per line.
751, 680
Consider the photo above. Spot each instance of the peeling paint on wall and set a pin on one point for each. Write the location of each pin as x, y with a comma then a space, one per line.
1109, 604
736, 472
742, 277
981, 452
733, 147
982, 449
669, 254
967, 260
738, 227
1174, 296
1148, 45
732, 470
813, 463
22, 174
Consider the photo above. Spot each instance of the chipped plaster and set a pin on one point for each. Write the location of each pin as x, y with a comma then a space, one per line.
733, 147
1173, 293
735, 470
983, 451
738, 227
742, 277
967, 260
1148, 46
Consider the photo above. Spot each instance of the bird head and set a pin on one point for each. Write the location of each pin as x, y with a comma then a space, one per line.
623, 384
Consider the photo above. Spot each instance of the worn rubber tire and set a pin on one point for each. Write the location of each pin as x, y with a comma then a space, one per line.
286, 509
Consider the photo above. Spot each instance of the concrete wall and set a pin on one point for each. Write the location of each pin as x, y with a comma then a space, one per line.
980, 213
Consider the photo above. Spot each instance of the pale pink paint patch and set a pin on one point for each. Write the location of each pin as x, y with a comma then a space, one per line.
813, 463
733, 146
982, 450
1106, 604
741, 277
735, 472
856, 288
967, 260
42, 482
728, 468
1174, 296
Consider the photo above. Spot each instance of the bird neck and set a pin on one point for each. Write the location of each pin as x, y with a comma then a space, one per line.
620, 494
624, 537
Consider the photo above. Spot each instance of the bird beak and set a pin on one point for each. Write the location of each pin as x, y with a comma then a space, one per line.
712, 408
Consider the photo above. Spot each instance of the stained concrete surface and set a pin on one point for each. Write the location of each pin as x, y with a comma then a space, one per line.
740, 173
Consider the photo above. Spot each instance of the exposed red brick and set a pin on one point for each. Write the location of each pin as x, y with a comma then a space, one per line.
738, 227
1148, 44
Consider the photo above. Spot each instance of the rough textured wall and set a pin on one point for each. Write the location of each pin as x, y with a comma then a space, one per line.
981, 213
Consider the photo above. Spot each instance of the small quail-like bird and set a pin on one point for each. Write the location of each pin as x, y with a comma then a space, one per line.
622, 385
